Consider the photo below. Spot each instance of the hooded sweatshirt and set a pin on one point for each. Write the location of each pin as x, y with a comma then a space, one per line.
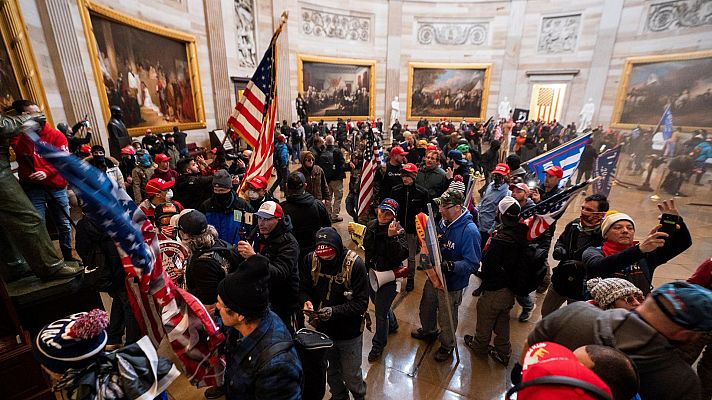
460, 243
348, 302
663, 374
308, 215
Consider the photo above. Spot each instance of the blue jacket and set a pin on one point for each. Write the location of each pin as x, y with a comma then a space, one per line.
230, 220
705, 151
281, 155
460, 243
487, 209
278, 378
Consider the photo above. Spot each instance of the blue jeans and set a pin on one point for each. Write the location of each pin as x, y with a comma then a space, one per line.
296, 149
385, 318
433, 312
344, 372
57, 202
527, 302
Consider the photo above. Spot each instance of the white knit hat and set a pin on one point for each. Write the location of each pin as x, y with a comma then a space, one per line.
611, 218
606, 291
457, 185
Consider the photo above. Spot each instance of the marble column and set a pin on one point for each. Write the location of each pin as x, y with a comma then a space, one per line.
602, 53
393, 64
510, 61
67, 58
218, 62
285, 101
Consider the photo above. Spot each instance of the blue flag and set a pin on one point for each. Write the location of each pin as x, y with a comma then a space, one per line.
605, 167
667, 123
566, 156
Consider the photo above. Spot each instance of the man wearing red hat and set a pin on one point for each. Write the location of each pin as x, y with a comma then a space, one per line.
257, 192
494, 193
549, 188
157, 191
431, 176
163, 171
391, 176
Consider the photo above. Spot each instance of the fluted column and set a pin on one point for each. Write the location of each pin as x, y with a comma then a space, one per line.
68, 66
218, 62
393, 64
285, 101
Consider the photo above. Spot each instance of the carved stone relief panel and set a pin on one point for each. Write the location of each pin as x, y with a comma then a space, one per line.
678, 14
246, 41
452, 33
559, 34
335, 25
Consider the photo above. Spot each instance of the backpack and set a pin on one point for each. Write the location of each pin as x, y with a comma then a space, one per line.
342, 278
532, 270
326, 162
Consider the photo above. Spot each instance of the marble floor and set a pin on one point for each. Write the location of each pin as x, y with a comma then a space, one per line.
407, 369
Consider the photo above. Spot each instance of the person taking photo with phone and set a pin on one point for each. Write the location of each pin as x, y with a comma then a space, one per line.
621, 256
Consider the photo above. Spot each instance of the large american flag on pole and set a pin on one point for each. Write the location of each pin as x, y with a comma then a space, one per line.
160, 307
253, 118
538, 218
371, 163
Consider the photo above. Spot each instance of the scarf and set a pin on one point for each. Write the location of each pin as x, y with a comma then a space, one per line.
610, 248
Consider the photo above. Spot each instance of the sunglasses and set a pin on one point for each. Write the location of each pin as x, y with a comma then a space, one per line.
632, 298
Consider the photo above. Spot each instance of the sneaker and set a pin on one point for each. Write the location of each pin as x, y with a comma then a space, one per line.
443, 354
526, 313
420, 335
410, 285
470, 342
63, 273
502, 359
337, 219
374, 355
214, 392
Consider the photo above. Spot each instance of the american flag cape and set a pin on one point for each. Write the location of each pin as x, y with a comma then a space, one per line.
254, 115
539, 217
371, 163
159, 306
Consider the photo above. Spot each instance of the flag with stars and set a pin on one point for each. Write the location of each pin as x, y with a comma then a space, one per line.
538, 218
371, 162
160, 307
566, 156
667, 122
254, 115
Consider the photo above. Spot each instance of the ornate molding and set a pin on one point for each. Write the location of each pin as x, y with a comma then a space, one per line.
245, 34
333, 25
452, 33
678, 14
559, 34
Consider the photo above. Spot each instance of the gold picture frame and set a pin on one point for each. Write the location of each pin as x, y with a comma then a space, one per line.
187, 114
329, 108
437, 108
649, 83
21, 68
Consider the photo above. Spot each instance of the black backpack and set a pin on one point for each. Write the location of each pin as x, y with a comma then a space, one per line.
531, 271
326, 162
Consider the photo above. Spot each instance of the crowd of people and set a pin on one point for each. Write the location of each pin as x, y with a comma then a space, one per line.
266, 268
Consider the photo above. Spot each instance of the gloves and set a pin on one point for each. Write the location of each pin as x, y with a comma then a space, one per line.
447, 266
559, 253
325, 313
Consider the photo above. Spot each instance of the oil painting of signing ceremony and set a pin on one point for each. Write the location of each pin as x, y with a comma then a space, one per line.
414, 199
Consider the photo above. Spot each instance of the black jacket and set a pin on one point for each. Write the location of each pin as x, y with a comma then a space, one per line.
308, 215
282, 250
348, 310
205, 270
412, 199
97, 250
383, 253
501, 258
387, 180
192, 190
573, 241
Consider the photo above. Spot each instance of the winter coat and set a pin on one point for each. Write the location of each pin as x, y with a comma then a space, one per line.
460, 243
167, 175
308, 215
316, 182
205, 270
487, 209
434, 180
280, 377
97, 250
174, 154
281, 154
501, 258
229, 218
412, 199
383, 253
630, 260
282, 250
140, 175
705, 151
347, 311
387, 179
112, 170
192, 189
29, 162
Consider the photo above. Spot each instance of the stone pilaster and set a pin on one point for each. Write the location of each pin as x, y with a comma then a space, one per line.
393, 64
285, 100
218, 62
510, 61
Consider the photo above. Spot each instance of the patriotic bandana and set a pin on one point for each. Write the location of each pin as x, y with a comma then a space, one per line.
324, 251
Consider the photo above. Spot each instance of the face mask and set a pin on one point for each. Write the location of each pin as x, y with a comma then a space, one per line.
169, 195
145, 160
223, 198
253, 195
497, 180
591, 219
100, 159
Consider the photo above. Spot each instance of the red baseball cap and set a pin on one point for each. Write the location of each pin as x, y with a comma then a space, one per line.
397, 151
162, 157
431, 147
411, 168
258, 182
521, 185
502, 169
270, 209
280, 138
551, 360
555, 171
157, 185
85, 149
128, 150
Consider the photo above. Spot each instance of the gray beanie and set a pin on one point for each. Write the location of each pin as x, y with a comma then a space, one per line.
606, 291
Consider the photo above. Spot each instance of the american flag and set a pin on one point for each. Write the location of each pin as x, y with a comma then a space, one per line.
541, 216
371, 163
159, 306
253, 118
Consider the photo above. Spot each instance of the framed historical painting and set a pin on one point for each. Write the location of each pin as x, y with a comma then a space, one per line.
19, 76
335, 88
149, 71
448, 91
649, 84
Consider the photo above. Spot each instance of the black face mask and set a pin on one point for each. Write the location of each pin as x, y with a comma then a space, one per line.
100, 160
498, 180
223, 199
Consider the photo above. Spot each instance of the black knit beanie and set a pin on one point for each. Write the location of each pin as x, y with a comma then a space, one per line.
246, 290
